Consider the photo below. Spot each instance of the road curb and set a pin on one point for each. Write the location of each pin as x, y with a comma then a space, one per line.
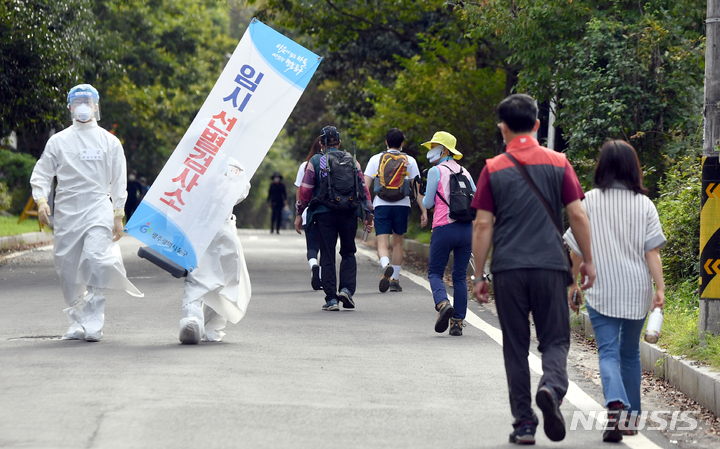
29, 238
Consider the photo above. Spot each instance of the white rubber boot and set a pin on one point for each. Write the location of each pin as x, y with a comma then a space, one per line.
214, 324
74, 314
93, 315
192, 323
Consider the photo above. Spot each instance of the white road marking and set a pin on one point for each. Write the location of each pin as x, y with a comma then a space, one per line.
575, 395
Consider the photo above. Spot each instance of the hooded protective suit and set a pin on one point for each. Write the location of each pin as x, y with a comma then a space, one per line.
218, 290
89, 163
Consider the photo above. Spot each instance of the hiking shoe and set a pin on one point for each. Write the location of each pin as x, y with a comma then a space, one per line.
630, 426
385, 281
445, 312
315, 281
523, 434
612, 432
553, 422
345, 298
395, 285
456, 327
331, 305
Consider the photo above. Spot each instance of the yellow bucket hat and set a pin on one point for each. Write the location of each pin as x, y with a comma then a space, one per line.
445, 139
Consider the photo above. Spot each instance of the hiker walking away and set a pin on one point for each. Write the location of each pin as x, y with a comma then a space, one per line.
277, 198
450, 190
334, 192
311, 239
519, 201
627, 252
390, 174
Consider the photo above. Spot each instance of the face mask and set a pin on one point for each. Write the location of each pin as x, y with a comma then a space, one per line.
131, 177
233, 173
83, 112
435, 153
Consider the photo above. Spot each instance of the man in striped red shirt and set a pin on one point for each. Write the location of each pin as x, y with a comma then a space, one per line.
529, 262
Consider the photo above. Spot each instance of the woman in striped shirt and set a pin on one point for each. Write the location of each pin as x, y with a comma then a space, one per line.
626, 239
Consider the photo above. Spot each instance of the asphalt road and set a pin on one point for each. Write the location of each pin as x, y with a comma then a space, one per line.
287, 376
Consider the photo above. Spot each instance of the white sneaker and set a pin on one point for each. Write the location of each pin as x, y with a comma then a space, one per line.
74, 332
95, 336
190, 333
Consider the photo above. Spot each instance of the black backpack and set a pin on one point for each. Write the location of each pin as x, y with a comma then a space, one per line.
338, 181
461, 195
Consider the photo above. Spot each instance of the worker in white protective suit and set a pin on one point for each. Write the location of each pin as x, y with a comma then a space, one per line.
218, 290
89, 164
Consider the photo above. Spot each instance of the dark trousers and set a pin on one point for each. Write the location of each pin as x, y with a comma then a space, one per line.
330, 226
276, 218
544, 293
311, 241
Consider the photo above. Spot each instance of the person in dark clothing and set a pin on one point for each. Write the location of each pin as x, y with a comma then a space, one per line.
135, 194
277, 197
333, 223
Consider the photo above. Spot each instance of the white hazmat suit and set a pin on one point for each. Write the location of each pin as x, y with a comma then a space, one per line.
89, 164
218, 290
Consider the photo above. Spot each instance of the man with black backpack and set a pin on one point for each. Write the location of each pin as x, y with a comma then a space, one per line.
390, 173
334, 192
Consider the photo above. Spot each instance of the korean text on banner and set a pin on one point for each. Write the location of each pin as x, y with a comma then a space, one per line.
240, 119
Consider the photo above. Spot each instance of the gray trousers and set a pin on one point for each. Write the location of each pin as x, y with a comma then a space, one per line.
544, 293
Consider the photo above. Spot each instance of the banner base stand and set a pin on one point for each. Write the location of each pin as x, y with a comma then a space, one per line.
161, 261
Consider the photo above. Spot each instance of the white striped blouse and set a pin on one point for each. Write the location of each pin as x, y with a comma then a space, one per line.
623, 227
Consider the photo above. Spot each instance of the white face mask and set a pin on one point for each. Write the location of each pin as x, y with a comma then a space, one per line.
83, 112
435, 153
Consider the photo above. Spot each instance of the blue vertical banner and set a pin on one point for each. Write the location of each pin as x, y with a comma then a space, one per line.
240, 119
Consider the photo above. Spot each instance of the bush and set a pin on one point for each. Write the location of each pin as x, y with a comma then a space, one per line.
15, 171
679, 210
5, 198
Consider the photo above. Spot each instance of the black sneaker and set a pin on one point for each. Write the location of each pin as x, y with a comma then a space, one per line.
456, 327
385, 281
345, 298
395, 285
523, 434
553, 422
315, 282
331, 305
445, 312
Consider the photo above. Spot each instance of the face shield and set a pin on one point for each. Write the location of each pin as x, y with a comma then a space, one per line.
83, 103
83, 109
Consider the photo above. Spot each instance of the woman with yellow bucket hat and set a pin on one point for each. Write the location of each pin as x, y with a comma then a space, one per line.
449, 234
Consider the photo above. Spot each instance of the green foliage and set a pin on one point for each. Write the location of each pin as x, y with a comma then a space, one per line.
680, 332
618, 69
9, 225
633, 81
679, 210
171, 54
441, 90
5, 198
359, 40
44, 50
15, 171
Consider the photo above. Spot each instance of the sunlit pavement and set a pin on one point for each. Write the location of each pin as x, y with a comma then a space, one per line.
287, 376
